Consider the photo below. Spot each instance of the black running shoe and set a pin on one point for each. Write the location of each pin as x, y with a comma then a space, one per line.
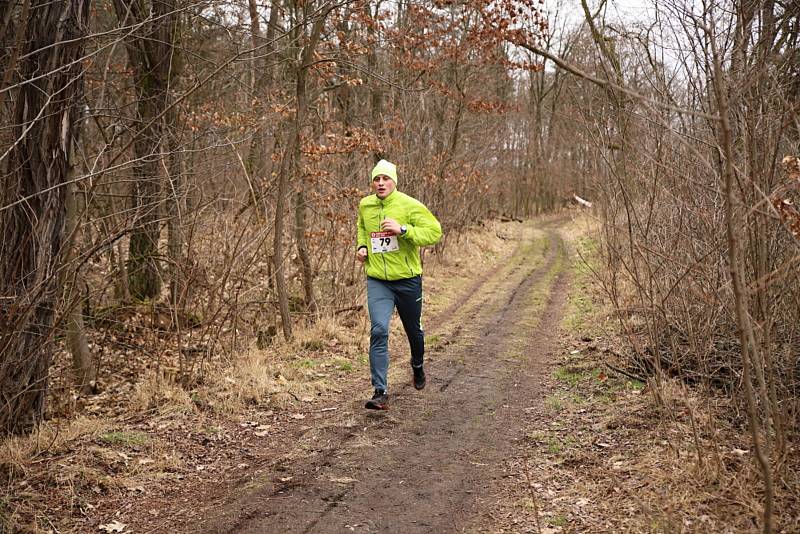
379, 401
419, 377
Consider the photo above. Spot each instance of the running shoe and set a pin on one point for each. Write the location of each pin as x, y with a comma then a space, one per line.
419, 377
379, 401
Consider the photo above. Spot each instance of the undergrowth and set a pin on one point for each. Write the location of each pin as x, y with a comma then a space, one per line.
141, 430
640, 454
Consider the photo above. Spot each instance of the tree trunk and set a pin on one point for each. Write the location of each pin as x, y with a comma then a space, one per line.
176, 209
83, 365
376, 87
176, 200
277, 246
302, 252
142, 266
32, 230
150, 57
259, 162
290, 164
297, 166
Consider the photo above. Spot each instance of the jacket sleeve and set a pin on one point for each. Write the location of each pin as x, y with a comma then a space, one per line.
362, 239
423, 230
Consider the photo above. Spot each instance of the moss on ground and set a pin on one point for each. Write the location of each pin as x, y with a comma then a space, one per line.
125, 438
581, 306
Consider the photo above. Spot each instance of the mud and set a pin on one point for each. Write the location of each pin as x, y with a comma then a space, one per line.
433, 462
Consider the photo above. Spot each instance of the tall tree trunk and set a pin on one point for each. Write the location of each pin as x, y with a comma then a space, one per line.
32, 230
277, 245
292, 163
83, 365
297, 166
278, 260
376, 87
175, 212
302, 252
143, 274
176, 193
150, 56
259, 162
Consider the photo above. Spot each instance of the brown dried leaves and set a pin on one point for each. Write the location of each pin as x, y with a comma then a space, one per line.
784, 206
791, 165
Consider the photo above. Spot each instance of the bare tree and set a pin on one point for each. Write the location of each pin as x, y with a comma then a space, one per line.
301, 70
33, 203
150, 56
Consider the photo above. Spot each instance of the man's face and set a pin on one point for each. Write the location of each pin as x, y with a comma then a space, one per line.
383, 186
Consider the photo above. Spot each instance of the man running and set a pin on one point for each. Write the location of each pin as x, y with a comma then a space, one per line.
391, 228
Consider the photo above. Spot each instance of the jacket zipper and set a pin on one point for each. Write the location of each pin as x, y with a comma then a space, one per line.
383, 256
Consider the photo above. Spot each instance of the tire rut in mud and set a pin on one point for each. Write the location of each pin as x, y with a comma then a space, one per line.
531, 278
502, 270
425, 464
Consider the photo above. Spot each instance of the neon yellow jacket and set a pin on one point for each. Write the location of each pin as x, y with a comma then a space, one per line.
422, 229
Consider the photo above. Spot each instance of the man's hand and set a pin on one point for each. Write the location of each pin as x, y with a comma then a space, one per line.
361, 255
390, 225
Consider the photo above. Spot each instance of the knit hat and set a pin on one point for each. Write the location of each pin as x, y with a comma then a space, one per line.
387, 168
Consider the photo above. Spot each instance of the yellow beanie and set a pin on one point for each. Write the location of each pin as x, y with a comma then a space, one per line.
386, 168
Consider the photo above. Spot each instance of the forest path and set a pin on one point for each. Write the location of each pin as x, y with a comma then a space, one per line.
433, 462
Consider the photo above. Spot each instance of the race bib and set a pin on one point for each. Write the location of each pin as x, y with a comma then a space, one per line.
383, 242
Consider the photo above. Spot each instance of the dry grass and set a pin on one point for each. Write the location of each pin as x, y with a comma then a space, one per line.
157, 393
53, 474
606, 454
469, 257
288, 372
285, 373
610, 454
61, 478
249, 380
327, 332
18, 453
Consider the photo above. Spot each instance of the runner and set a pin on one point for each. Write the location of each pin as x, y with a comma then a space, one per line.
391, 228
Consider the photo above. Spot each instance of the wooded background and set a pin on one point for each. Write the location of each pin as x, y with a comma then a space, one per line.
194, 169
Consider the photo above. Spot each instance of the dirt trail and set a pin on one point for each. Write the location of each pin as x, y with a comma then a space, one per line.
432, 461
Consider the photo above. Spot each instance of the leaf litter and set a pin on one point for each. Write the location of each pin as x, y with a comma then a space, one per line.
227, 430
